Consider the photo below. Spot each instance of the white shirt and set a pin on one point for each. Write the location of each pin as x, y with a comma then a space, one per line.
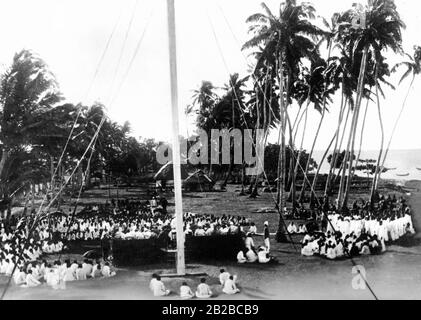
203, 291
230, 287
185, 292
224, 277
251, 256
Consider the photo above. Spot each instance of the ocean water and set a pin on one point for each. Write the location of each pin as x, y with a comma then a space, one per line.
405, 162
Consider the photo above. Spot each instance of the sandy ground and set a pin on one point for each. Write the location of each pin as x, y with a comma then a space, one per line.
393, 275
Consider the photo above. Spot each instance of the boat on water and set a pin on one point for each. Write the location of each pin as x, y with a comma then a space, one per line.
419, 169
402, 174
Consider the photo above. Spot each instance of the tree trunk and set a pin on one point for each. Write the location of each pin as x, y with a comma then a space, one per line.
378, 168
52, 169
243, 175
254, 189
88, 176
303, 191
4, 157
316, 176
360, 92
336, 151
361, 137
280, 235
396, 125
297, 164
224, 184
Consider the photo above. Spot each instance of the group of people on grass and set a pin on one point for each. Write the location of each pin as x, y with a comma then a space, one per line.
129, 221
203, 291
33, 274
252, 254
23, 251
210, 225
362, 231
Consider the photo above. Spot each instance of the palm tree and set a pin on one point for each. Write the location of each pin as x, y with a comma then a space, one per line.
28, 91
382, 31
205, 100
381, 70
27, 88
232, 104
344, 75
322, 84
413, 67
328, 84
286, 39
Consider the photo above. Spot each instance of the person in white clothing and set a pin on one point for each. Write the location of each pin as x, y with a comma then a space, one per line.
203, 290
306, 250
80, 273
10, 268
263, 255
152, 282
230, 287
223, 276
158, 288
292, 228
70, 275
186, 292
87, 268
240, 257
49, 277
96, 270
4, 266
253, 228
251, 256
106, 271
249, 243
19, 277
74, 265
30, 280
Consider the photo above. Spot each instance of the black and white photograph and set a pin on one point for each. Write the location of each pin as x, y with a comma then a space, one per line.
192, 151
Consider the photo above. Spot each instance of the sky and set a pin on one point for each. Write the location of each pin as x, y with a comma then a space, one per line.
70, 35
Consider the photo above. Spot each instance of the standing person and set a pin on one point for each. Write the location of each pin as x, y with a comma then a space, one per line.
267, 236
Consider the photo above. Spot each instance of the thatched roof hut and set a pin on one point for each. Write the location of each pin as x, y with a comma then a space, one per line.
166, 173
198, 181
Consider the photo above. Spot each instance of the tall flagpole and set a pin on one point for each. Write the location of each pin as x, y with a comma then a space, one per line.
181, 265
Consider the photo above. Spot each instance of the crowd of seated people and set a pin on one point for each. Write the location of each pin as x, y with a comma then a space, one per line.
16, 248
302, 213
208, 225
136, 220
142, 226
336, 245
293, 228
252, 254
227, 281
35, 273
365, 229
21, 253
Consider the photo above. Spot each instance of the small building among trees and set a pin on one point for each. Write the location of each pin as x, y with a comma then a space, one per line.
198, 182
